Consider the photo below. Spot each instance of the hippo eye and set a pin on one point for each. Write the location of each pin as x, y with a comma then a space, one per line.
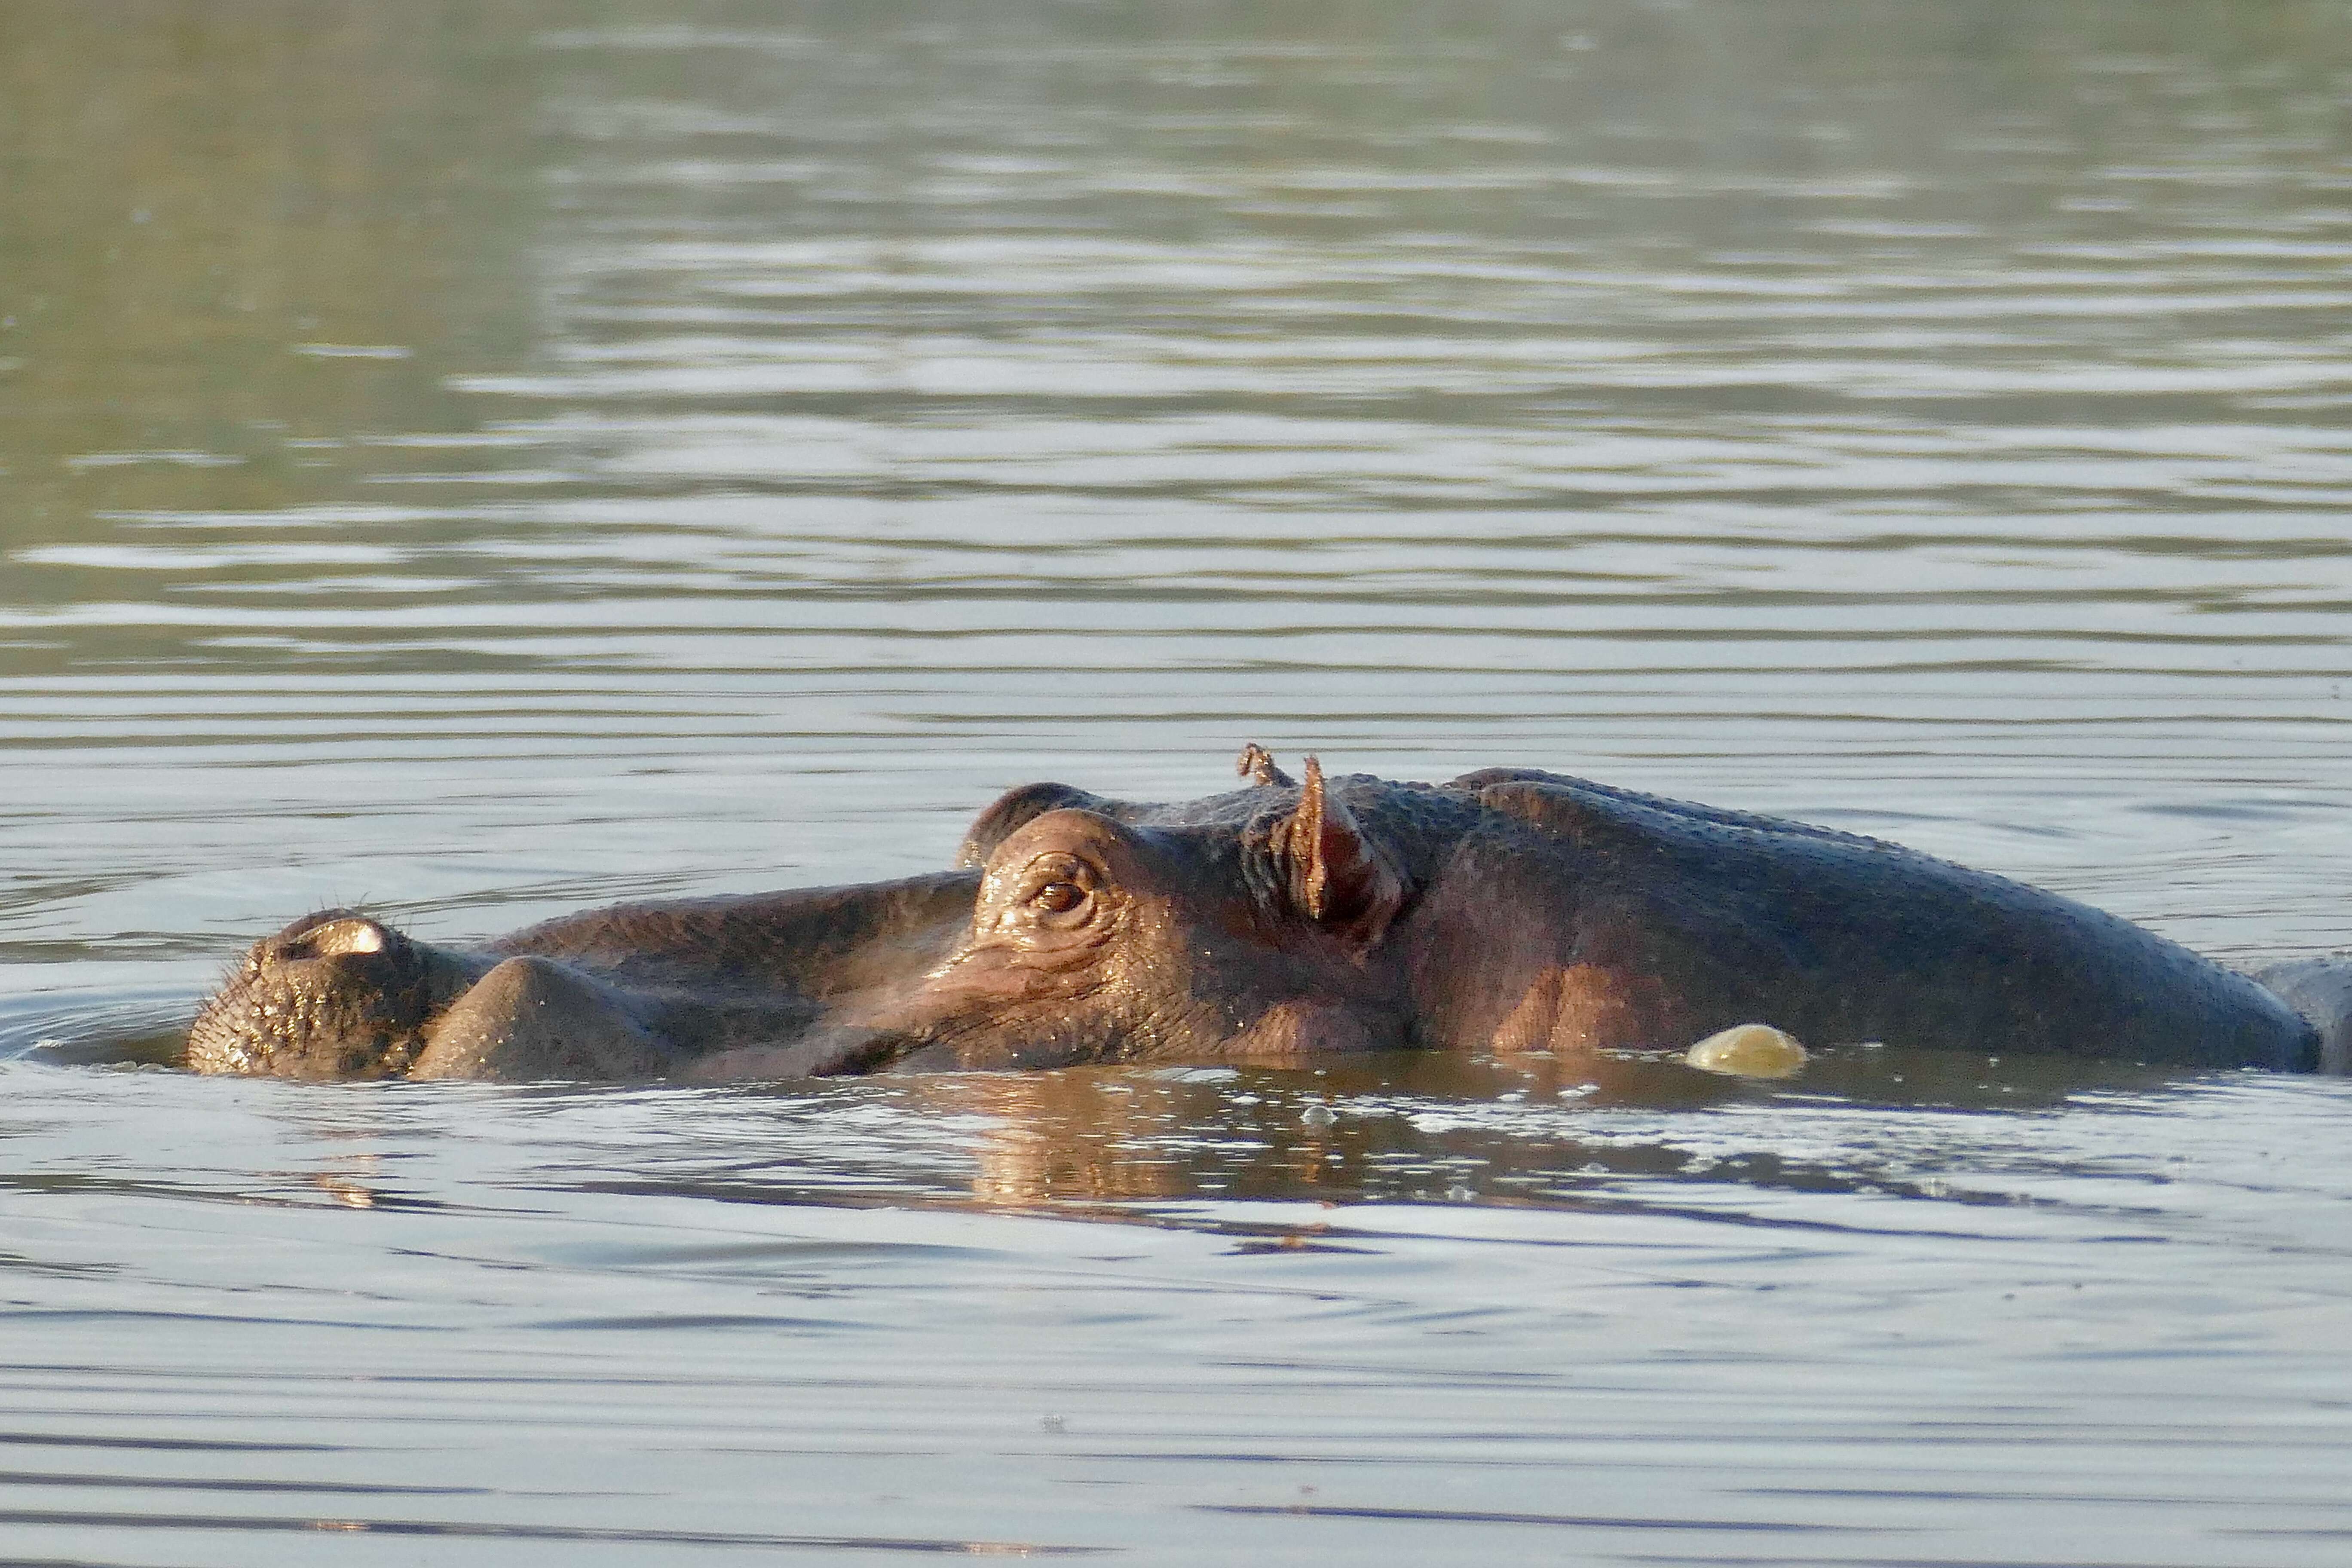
1058, 898
1056, 892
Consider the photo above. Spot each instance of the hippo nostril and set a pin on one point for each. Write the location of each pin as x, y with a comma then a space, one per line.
337, 938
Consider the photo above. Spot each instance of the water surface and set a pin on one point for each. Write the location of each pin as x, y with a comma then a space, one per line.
482, 463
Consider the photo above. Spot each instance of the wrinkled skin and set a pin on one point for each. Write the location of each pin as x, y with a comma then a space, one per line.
1508, 910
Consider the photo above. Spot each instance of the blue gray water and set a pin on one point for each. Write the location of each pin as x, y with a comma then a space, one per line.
484, 461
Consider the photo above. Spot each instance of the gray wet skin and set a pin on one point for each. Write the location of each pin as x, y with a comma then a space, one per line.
1291, 919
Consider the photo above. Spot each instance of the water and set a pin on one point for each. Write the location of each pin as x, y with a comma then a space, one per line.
487, 463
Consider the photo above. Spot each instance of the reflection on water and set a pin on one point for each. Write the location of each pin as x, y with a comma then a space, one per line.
480, 461
1935, 1330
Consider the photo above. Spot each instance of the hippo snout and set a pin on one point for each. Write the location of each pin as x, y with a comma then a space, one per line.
334, 995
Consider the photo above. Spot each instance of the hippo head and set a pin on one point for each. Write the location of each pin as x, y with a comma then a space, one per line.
333, 995
1099, 937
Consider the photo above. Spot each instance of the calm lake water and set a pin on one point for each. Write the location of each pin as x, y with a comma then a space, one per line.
484, 461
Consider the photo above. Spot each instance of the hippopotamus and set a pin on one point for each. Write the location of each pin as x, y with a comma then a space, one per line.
1508, 910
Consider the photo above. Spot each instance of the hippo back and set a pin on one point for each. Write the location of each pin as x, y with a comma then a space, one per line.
1734, 917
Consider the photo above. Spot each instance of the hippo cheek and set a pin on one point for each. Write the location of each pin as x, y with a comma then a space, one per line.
993, 1009
1105, 981
1299, 1031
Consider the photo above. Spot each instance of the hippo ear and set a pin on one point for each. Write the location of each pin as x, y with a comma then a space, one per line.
1331, 869
1257, 764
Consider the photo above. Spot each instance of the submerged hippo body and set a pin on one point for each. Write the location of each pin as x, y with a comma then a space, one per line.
1506, 910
